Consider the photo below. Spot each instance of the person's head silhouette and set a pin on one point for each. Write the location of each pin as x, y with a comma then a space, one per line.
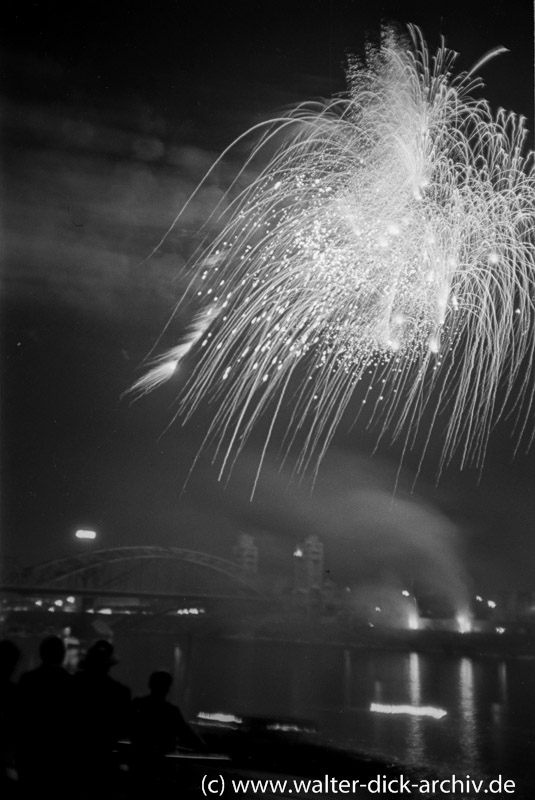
160, 683
52, 651
99, 658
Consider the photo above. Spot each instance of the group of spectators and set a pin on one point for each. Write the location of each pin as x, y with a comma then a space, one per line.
61, 734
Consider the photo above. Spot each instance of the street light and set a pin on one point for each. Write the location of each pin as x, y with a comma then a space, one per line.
85, 534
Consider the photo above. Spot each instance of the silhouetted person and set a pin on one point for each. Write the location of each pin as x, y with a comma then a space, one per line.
9, 717
47, 723
157, 728
104, 705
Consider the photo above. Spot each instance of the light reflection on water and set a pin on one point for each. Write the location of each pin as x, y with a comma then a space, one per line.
467, 727
489, 728
415, 750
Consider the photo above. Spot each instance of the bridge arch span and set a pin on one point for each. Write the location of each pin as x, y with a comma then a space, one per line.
99, 569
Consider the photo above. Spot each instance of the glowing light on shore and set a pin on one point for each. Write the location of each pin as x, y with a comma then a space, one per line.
205, 717
414, 621
414, 711
464, 623
386, 250
288, 728
190, 611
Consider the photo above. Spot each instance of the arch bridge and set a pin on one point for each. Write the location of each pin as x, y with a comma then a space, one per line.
137, 571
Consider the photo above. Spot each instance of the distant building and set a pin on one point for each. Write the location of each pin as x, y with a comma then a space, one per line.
308, 565
246, 554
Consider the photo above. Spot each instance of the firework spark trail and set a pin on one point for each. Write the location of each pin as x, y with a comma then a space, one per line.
389, 241
168, 362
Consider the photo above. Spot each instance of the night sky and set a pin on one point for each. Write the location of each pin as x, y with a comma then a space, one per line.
111, 117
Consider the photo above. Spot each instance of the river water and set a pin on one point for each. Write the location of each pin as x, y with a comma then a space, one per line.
488, 729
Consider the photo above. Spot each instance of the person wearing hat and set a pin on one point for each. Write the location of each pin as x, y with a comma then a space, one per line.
103, 706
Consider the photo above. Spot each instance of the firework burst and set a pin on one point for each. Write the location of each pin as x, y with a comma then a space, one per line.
388, 243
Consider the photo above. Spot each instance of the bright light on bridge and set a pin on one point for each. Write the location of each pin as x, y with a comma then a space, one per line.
85, 534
